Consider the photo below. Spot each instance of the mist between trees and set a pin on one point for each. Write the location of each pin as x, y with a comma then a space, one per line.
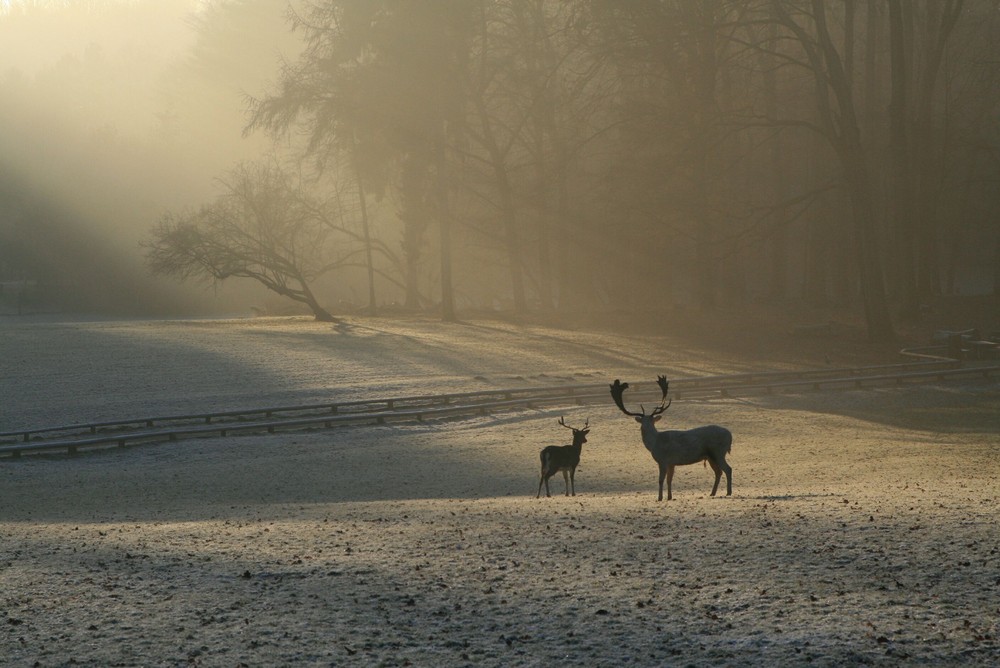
544, 155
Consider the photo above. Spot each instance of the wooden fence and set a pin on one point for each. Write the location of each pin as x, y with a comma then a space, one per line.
73, 438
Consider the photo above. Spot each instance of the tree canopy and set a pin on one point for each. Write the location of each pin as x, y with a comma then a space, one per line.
554, 156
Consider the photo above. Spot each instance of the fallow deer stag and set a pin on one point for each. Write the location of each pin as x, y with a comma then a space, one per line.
676, 448
563, 458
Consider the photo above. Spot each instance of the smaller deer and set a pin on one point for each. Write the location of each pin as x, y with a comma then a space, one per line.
675, 448
563, 458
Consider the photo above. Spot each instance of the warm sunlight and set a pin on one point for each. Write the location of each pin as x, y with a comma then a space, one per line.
584, 145
499, 332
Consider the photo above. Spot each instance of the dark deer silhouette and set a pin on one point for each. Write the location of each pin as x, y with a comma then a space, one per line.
708, 444
563, 458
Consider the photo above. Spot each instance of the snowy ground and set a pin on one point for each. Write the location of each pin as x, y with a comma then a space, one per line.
862, 529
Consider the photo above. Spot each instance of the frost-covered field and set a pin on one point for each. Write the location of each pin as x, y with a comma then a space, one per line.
91, 371
862, 529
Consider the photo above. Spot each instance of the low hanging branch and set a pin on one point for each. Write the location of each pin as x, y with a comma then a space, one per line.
262, 228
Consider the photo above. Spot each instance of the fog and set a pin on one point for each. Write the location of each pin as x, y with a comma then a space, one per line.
115, 112
177, 157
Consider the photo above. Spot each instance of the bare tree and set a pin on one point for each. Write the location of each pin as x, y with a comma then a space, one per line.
380, 79
838, 124
262, 227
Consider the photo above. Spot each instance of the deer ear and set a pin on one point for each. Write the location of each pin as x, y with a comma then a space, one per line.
656, 418
638, 419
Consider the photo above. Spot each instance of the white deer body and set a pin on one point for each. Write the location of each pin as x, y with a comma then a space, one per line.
672, 448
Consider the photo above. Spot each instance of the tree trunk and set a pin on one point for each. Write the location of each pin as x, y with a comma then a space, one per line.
413, 215
512, 239
778, 283
778, 238
545, 273
444, 222
321, 314
309, 299
996, 273
902, 175
508, 215
845, 136
929, 156
876, 307
366, 230
814, 290
708, 257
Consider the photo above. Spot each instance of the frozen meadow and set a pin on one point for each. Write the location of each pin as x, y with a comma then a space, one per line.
862, 528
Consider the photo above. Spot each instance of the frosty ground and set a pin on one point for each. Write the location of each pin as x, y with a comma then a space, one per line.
862, 528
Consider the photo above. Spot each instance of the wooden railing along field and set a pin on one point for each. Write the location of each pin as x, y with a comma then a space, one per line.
72, 438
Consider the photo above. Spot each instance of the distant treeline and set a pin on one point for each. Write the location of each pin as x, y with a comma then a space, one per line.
542, 155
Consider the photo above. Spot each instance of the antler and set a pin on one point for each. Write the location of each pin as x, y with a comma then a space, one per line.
664, 385
617, 389
562, 421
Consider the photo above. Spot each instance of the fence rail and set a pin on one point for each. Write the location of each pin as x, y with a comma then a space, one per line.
679, 385
72, 438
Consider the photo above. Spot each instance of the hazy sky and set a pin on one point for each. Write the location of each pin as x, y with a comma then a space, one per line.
86, 74
114, 112
34, 35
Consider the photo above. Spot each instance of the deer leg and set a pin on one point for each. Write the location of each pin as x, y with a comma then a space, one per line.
663, 474
545, 479
670, 479
724, 465
566, 480
572, 483
718, 475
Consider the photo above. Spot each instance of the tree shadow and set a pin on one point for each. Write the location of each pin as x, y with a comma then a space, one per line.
490, 456
60, 374
950, 409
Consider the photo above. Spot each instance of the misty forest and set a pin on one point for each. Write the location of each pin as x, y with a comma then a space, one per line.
507, 156
306, 306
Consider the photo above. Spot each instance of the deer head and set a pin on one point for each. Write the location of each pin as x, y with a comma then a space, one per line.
578, 434
618, 389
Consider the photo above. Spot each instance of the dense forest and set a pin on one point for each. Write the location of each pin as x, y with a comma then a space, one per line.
522, 156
